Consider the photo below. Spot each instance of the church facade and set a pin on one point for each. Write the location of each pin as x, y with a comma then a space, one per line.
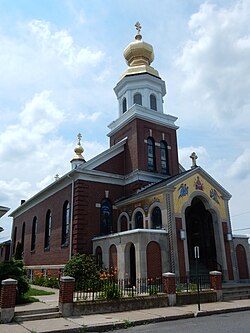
134, 206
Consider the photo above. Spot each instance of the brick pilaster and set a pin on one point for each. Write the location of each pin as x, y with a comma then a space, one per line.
8, 299
66, 294
169, 287
216, 283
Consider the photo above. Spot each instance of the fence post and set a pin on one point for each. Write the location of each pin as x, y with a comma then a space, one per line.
8, 300
169, 287
216, 283
66, 293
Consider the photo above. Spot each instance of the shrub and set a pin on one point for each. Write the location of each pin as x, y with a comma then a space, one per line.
14, 269
83, 268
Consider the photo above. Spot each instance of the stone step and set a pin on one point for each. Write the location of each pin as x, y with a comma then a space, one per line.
232, 292
37, 311
38, 314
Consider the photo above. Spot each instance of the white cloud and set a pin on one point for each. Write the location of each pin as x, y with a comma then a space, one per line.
215, 65
60, 44
240, 168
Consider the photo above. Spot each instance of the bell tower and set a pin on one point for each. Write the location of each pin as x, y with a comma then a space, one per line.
151, 148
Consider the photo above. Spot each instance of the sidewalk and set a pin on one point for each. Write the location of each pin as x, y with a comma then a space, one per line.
109, 321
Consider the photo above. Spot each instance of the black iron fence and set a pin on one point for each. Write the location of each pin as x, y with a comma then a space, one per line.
105, 289
191, 282
117, 288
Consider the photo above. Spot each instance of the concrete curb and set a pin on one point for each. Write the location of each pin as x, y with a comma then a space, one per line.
109, 327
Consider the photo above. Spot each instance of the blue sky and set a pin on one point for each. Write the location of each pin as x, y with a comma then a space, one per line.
59, 62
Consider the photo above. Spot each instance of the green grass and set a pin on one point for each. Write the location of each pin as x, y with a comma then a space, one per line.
28, 297
38, 292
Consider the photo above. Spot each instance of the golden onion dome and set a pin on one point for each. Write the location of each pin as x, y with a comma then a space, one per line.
139, 55
78, 149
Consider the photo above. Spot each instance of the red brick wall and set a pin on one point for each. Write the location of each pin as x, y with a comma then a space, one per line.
86, 222
56, 254
87, 216
180, 247
115, 165
136, 149
154, 266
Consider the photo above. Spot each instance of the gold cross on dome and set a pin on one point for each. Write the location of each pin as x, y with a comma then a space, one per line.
79, 138
138, 27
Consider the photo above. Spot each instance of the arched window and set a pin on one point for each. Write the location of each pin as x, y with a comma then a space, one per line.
151, 154
14, 241
23, 236
153, 104
164, 158
47, 230
106, 217
65, 224
138, 99
33, 235
124, 105
156, 218
138, 220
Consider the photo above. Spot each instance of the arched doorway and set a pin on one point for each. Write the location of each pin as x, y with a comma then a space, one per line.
200, 232
154, 267
242, 262
132, 265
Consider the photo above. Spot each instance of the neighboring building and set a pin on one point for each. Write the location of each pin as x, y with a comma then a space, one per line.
133, 206
4, 246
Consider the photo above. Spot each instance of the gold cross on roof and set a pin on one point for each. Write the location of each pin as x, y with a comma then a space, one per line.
138, 27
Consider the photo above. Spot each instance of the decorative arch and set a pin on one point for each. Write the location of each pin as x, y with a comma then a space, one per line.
153, 102
242, 262
151, 161
154, 263
156, 218
123, 222
137, 99
138, 218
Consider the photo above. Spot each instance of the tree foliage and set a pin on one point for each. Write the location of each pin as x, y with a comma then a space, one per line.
83, 268
14, 269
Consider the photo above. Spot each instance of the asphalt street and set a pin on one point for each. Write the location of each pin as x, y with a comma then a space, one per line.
238, 322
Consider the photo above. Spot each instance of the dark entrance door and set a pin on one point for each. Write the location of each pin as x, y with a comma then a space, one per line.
200, 232
132, 265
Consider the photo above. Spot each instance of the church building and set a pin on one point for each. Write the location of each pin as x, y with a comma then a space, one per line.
134, 206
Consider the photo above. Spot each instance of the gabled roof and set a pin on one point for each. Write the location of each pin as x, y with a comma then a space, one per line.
171, 182
105, 156
3, 210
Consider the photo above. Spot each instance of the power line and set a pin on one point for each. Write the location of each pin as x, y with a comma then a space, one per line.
247, 212
241, 229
